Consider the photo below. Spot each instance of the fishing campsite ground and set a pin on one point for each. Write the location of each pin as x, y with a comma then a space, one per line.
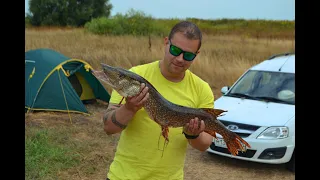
58, 147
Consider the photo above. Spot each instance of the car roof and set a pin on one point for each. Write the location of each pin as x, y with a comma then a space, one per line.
278, 63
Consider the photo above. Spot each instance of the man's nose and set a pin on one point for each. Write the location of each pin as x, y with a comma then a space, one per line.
180, 58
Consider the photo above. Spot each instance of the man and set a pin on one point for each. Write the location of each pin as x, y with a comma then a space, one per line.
141, 153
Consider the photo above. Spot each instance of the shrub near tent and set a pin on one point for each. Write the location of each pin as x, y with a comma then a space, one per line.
54, 82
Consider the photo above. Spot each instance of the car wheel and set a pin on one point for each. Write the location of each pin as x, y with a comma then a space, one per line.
291, 164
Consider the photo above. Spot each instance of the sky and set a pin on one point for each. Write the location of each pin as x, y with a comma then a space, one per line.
208, 9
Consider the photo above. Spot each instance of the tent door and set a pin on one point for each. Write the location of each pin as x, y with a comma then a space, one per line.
82, 87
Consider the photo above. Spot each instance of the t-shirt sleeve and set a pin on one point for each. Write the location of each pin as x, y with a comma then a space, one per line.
206, 97
115, 97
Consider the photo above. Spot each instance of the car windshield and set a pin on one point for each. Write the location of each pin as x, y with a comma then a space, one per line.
264, 85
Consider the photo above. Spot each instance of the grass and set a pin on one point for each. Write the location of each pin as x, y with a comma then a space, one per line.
44, 149
222, 58
56, 149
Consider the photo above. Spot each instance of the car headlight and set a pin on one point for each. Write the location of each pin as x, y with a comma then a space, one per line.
274, 133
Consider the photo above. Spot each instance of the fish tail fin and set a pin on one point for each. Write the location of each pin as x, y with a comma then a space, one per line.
234, 143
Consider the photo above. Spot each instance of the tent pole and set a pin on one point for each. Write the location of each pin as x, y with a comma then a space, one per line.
30, 76
65, 99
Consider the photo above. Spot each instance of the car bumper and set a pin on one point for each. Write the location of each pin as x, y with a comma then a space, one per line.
262, 151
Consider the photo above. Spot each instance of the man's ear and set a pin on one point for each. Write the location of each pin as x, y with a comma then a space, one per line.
166, 41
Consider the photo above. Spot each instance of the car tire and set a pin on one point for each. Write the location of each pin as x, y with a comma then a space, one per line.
291, 164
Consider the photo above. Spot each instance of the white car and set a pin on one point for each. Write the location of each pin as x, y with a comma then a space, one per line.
261, 109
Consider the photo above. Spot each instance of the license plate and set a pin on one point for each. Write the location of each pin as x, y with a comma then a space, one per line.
221, 143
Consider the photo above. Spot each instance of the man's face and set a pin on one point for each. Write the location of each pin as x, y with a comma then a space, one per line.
177, 64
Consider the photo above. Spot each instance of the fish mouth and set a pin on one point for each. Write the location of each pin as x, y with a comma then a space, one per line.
108, 68
109, 81
103, 76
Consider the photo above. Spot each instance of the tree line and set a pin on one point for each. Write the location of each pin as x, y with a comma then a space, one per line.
66, 12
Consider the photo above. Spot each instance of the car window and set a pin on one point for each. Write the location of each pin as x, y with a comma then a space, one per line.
244, 83
271, 85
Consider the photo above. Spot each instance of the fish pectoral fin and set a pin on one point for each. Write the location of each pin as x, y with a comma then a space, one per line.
215, 112
165, 132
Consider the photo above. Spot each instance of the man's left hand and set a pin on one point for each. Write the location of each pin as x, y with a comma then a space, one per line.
192, 128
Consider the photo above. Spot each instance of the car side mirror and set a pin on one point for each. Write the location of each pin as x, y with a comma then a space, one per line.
224, 89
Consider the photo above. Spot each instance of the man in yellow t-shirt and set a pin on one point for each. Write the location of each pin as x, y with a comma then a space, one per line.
141, 152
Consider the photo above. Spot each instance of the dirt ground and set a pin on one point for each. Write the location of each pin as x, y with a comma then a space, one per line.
203, 165
199, 165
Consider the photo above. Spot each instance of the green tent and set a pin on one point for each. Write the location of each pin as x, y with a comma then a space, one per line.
54, 82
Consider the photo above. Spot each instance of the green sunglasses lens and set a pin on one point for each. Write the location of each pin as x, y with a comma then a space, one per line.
188, 56
175, 50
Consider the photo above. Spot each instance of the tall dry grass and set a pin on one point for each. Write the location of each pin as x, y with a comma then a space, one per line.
221, 61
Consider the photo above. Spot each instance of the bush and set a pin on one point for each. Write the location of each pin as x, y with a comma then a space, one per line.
103, 26
138, 23
132, 23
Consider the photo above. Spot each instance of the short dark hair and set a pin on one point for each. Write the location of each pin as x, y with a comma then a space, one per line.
189, 29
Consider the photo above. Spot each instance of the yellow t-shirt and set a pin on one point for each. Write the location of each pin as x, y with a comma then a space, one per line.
139, 154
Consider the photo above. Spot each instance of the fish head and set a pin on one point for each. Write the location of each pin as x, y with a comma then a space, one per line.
121, 80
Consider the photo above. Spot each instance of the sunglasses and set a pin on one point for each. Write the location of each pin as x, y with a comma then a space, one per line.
175, 51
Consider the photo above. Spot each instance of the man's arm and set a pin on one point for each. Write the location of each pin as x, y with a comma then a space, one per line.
203, 141
117, 117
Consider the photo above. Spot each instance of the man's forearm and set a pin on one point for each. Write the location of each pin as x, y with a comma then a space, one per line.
116, 118
202, 142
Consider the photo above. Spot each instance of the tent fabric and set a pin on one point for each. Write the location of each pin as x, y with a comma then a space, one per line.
55, 82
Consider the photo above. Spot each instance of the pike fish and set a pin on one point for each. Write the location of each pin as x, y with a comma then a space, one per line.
166, 113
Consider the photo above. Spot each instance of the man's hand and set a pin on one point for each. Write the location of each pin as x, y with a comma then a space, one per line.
117, 117
194, 127
136, 102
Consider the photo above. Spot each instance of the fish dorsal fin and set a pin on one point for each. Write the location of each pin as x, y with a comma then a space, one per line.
215, 112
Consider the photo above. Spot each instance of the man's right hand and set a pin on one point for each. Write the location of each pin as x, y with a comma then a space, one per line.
117, 117
135, 103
